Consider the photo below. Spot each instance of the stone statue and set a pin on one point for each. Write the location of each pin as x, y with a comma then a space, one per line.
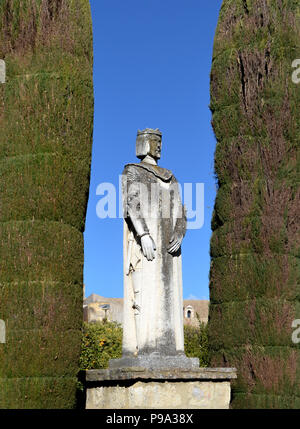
154, 227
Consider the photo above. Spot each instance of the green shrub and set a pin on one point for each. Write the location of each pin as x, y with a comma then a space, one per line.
196, 342
101, 341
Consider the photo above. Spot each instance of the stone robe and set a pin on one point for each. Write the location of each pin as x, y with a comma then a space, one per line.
153, 303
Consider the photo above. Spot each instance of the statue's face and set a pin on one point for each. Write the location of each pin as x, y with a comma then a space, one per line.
155, 146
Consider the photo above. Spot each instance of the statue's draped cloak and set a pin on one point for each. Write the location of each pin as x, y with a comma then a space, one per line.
153, 307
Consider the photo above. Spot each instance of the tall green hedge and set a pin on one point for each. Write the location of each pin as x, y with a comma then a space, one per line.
46, 123
254, 278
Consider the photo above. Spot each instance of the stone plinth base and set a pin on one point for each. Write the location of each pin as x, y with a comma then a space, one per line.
153, 362
134, 388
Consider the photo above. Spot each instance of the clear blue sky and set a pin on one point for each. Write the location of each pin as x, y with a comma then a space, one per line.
152, 61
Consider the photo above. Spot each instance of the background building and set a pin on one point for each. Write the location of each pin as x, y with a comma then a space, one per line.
97, 308
194, 307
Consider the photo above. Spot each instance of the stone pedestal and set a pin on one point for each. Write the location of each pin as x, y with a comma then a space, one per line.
141, 388
155, 361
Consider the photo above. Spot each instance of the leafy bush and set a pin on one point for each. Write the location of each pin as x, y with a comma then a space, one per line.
196, 342
101, 341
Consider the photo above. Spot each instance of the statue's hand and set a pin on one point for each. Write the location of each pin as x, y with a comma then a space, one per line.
148, 247
175, 244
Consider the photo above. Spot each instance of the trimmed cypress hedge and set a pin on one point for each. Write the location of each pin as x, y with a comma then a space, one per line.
248, 276
262, 401
36, 305
52, 180
38, 392
46, 112
261, 321
44, 250
46, 115
255, 246
45, 353
275, 368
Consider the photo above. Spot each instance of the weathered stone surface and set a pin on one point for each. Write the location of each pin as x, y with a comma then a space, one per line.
154, 227
155, 362
133, 373
132, 388
161, 395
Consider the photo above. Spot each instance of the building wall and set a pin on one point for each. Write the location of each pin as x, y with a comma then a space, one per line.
96, 308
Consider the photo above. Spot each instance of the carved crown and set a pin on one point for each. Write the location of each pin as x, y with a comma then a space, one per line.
149, 131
